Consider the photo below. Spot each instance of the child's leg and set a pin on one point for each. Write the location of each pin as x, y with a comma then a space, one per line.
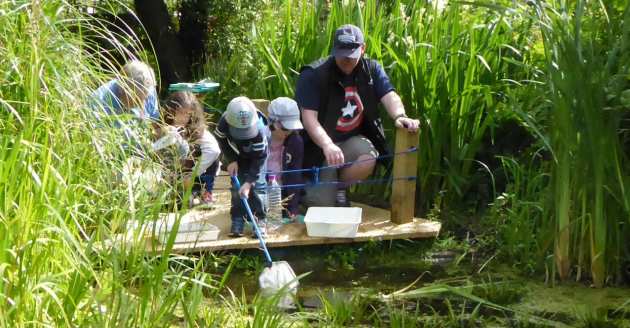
256, 202
258, 196
208, 177
237, 213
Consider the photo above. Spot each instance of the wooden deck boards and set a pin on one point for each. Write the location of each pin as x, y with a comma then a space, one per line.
376, 225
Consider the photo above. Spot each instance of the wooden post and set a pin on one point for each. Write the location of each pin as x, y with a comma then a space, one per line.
404, 191
262, 105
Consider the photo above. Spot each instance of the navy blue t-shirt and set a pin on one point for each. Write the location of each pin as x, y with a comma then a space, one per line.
350, 117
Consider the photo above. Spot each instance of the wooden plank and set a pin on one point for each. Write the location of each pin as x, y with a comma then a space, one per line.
375, 226
403, 197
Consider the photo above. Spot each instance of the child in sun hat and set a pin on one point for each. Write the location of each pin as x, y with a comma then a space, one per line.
243, 135
286, 149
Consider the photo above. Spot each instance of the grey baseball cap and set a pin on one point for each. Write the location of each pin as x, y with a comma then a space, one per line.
242, 118
285, 110
348, 41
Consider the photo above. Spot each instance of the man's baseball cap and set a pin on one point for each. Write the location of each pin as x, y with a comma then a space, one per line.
242, 117
348, 41
285, 110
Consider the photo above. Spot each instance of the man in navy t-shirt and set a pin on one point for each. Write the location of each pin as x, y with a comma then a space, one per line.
338, 97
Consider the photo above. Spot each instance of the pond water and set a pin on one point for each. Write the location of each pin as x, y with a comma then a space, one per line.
342, 273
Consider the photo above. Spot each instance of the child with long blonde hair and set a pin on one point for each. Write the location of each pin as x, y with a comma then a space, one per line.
185, 121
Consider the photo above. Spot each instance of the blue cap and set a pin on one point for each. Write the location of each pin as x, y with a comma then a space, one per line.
348, 41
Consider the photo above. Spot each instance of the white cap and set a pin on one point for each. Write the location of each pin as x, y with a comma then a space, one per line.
285, 110
242, 116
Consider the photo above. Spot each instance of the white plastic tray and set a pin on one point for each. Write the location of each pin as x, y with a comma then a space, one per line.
333, 222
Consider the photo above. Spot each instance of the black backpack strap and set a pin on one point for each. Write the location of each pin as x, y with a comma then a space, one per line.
373, 126
316, 155
322, 72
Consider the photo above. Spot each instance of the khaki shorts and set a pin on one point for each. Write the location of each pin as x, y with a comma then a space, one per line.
325, 195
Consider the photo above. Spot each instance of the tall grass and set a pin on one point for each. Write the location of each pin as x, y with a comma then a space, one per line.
590, 200
59, 191
451, 68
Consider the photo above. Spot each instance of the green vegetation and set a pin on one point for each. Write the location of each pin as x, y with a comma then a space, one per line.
61, 192
523, 156
523, 109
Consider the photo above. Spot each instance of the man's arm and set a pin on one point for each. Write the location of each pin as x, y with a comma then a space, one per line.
333, 154
396, 110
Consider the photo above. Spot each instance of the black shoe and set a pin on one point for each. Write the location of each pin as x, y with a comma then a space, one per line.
341, 198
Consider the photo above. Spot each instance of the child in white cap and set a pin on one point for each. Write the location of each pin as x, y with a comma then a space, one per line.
243, 135
286, 150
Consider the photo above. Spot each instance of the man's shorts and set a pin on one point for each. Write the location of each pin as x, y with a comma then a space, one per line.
325, 195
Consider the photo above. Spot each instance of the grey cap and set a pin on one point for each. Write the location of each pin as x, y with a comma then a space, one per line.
242, 118
285, 110
348, 41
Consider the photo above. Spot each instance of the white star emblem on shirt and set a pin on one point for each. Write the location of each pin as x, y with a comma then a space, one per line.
348, 110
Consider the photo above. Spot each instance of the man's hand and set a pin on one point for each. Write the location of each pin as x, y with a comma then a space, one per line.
395, 108
333, 154
408, 123
245, 188
232, 168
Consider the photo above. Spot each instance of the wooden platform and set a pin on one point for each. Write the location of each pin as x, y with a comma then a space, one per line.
376, 226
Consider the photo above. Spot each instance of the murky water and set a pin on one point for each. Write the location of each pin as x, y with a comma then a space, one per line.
341, 272
351, 267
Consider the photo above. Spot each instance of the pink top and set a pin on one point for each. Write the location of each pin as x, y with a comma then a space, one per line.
274, 161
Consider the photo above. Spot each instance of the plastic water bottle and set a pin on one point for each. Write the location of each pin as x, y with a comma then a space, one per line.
274, 204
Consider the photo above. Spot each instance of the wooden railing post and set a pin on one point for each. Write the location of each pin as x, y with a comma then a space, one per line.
403, 198
262, 105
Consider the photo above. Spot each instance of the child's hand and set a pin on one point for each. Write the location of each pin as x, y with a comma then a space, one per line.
232, 168
244, 191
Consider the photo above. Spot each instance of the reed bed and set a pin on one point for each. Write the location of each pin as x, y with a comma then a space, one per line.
558, 68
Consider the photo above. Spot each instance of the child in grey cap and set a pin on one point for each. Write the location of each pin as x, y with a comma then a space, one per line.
243, 135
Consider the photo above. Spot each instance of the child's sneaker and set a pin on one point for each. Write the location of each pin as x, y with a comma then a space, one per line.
236, 230
193, 200
207, 198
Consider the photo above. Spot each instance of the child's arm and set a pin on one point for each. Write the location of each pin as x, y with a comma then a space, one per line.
171, 136
221, 134
210, 151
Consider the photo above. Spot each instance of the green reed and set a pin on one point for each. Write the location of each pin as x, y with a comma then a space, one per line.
61, 198
584, 53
